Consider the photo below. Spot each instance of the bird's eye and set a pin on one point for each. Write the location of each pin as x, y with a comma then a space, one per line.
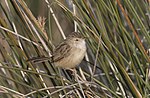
77, 40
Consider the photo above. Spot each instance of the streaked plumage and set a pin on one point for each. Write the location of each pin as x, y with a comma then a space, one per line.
70, 52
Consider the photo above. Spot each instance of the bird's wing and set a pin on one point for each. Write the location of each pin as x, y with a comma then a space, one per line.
61, 51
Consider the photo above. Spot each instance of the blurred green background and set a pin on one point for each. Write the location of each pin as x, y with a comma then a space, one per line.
118, 56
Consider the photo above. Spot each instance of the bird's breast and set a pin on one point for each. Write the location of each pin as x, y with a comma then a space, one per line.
74, 58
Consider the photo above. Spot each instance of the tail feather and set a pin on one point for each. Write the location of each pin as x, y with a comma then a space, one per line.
39, 59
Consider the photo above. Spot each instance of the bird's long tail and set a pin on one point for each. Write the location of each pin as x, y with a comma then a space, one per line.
39, 59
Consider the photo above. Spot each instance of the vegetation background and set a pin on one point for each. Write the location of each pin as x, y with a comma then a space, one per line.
117, 63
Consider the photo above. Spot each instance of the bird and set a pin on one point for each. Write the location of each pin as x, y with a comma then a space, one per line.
68, 54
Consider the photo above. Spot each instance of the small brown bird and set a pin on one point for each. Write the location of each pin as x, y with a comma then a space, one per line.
69, 53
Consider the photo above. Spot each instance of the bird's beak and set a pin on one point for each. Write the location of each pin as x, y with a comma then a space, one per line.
85, 37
